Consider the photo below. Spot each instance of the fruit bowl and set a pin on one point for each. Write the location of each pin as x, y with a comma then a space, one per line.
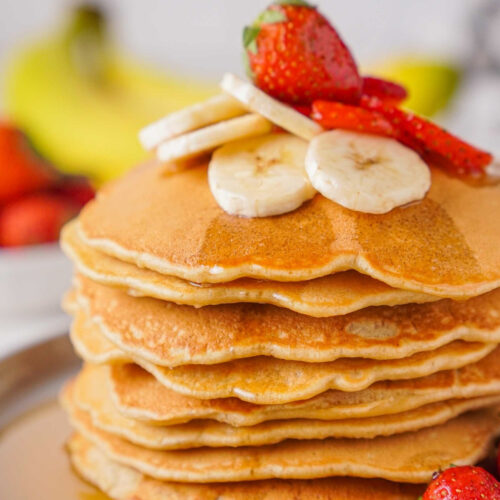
32, 279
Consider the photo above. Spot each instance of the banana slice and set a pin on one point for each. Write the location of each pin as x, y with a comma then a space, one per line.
207, 139
365, 172
218, 108
280, 114
260, 177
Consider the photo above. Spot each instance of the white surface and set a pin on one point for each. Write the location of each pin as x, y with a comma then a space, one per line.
17, 333
32, 283
203, 37
32, 280
477, 112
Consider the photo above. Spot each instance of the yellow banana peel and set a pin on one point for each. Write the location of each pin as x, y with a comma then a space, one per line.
82, 103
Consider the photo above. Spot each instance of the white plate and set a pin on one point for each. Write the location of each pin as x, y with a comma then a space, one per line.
33, 280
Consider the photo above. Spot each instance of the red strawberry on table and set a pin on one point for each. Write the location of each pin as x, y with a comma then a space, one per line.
331, 115
77, 189
433, 143
386, 91
463, 483
295, 55
21, 170
35, 219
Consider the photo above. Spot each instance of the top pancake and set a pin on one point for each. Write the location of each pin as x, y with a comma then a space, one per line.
331, 295
445, 245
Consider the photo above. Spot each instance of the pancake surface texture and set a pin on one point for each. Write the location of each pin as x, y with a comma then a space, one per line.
139, 395
332, 295
90, 393
169, 334
173, 225
463, 440
265, 380
91, 346
124, 483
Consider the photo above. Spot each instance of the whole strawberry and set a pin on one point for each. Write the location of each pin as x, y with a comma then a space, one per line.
35, 219
463, 483
77, 189
21, 170
295, 55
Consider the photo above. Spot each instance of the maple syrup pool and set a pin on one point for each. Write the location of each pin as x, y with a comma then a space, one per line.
34, 463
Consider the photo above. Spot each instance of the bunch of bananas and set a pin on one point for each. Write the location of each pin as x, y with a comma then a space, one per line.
82, 103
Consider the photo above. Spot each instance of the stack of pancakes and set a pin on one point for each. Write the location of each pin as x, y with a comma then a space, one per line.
323, 354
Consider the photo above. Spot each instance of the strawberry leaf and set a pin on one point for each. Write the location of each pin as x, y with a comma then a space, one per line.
270, 17
298, 3
247, 66
250, 34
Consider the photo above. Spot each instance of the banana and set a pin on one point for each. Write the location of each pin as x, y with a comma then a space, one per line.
280, 114
218, 108
81, 102
364, 172
260, 177
207, 139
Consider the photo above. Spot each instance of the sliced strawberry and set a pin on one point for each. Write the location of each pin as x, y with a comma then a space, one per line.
34, 219
386, 91
463, 483
21, 170
304, 109
295, 55
432, 142
337, 115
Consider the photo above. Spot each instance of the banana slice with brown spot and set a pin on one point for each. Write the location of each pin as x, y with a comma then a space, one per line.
261, 177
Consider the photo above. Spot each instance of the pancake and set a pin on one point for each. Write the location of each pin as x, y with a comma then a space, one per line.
446, 244
90, 393
331, 295
123, 483
168, 334
266, 380
93, 347
137, 394
70, 302
411, 457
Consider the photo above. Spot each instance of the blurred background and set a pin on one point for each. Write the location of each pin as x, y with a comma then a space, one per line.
77, 84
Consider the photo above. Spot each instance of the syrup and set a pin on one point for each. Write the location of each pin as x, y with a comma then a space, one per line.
33, 460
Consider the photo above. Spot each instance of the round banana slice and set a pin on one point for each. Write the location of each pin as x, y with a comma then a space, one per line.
207, 139
280, 114
260, 177
218, 108
365, 172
